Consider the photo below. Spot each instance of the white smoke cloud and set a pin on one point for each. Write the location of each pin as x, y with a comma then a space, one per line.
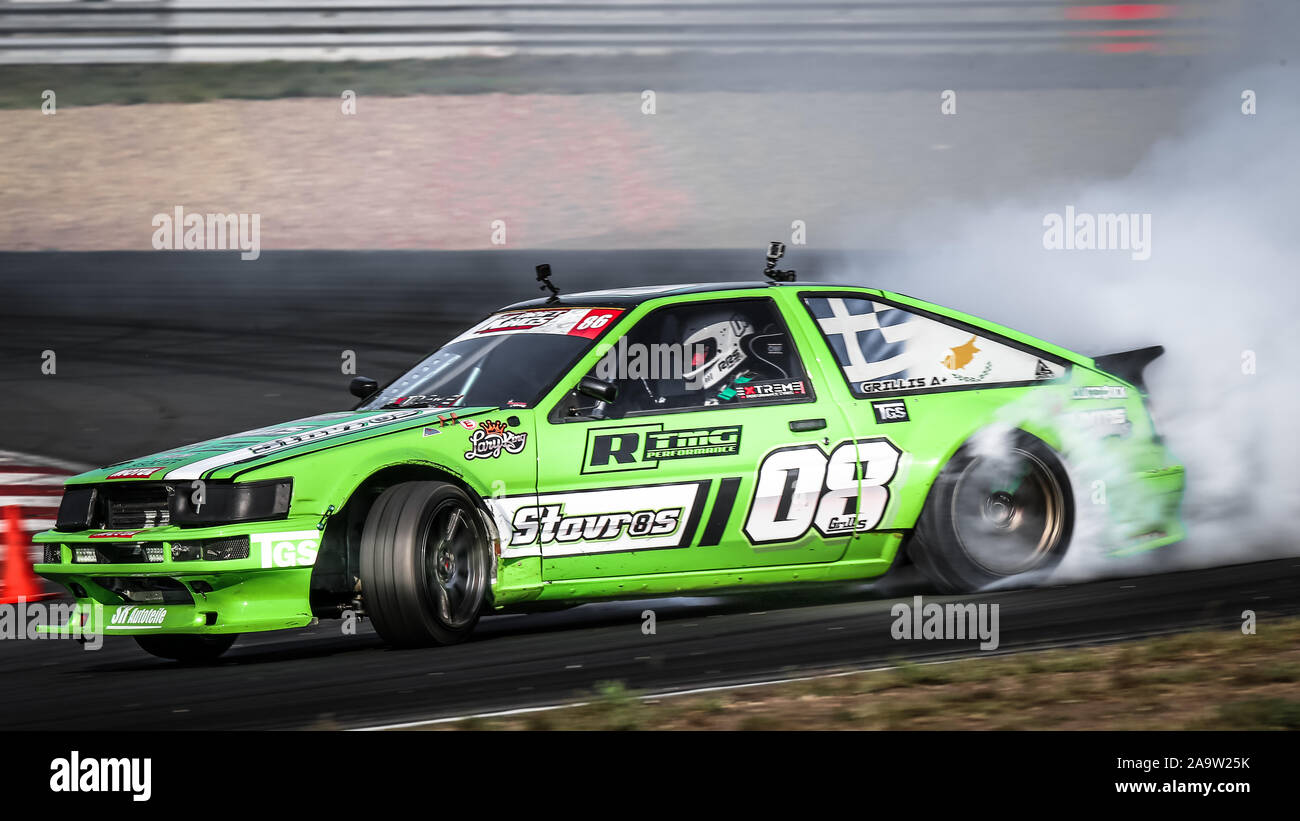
1219, 289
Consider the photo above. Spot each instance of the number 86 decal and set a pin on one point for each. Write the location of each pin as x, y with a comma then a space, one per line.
800, 487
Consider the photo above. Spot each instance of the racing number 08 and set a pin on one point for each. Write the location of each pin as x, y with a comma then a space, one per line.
801, 487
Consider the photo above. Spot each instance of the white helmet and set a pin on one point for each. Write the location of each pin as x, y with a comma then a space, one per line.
713, 351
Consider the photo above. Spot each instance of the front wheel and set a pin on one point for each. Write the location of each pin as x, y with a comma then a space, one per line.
425, 560
188, 649
998, 510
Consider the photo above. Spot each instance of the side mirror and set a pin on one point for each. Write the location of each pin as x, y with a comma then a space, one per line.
598, 389
363, 386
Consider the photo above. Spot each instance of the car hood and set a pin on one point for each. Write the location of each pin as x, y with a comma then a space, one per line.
253, 448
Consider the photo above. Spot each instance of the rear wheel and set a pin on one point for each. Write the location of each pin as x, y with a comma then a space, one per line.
424, 564
189, 649
994, 513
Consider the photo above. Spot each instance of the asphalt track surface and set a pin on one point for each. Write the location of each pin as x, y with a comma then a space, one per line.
319, 678
155, 350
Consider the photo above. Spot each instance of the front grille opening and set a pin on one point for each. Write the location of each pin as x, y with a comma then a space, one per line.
118, 553
135, 507
211, 550
161, 590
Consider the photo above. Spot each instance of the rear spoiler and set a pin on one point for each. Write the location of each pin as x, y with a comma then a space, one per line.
1128, 365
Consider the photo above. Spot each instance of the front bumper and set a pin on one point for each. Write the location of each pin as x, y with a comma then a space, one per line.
267, 590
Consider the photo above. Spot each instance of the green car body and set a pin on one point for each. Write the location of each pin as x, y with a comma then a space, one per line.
579, 507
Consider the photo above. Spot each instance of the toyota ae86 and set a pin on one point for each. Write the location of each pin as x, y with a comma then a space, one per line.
630, 443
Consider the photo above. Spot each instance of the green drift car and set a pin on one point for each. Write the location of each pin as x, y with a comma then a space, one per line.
631, 443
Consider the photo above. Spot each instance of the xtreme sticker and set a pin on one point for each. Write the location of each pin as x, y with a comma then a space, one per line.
642, 447
491, 438
779, 389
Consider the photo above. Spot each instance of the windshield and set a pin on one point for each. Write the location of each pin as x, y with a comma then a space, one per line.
507, 360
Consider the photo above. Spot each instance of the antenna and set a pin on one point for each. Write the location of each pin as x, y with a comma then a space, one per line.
776, 250
544, 277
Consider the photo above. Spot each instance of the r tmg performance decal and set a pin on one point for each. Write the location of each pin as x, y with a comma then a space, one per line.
802, 487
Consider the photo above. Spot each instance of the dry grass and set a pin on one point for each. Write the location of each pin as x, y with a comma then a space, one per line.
1220, 680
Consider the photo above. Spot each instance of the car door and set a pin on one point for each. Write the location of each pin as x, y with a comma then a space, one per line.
714, 454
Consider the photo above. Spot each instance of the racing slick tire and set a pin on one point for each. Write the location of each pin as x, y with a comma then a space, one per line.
994, 513
187, 649
425, 559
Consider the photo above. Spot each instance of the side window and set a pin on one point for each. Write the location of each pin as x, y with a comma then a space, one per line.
699, 355
883, 349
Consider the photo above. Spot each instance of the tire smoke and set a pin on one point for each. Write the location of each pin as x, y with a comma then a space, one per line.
1219, 291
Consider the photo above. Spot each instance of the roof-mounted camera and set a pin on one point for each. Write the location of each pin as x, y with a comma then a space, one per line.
776, 250
544, 277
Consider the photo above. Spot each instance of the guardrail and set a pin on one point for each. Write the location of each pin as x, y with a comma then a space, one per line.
120, 31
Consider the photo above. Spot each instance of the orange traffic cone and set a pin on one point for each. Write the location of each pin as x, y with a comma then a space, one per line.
20, 583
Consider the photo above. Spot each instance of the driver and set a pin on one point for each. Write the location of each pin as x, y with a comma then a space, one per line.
720, 351
725, 354
715, 351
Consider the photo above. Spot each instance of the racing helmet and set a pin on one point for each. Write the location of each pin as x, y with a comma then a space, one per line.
712, 349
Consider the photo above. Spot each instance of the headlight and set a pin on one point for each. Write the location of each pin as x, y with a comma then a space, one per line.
76, 509
225, 503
